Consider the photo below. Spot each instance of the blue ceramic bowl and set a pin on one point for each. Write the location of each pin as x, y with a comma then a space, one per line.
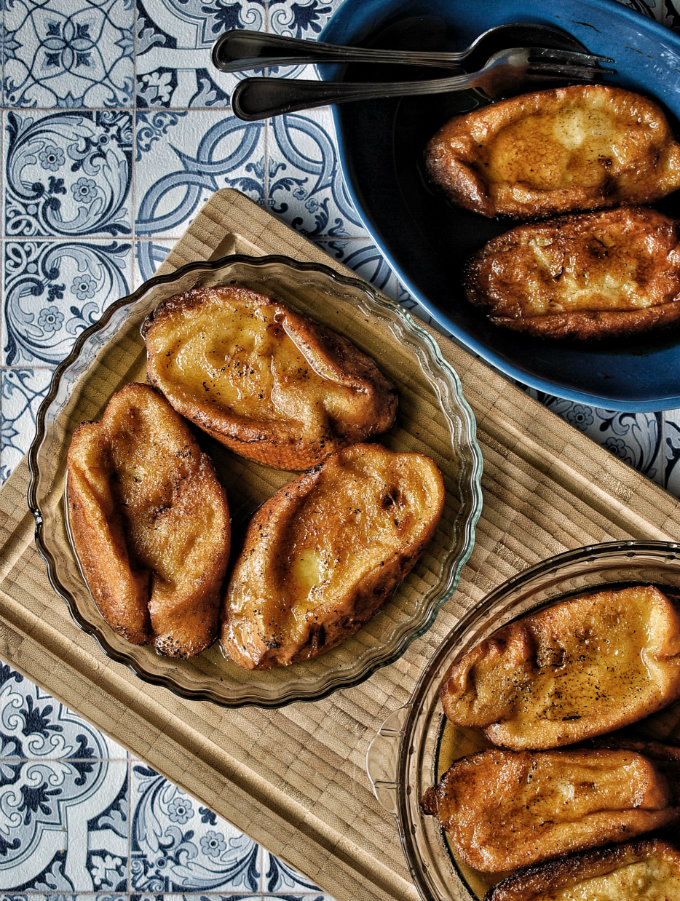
426, 240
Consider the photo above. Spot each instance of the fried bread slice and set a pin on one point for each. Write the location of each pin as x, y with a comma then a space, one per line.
268, 383
614, 272
579, 668
506, 809
646, 870
149, 522
579, 147
326, 551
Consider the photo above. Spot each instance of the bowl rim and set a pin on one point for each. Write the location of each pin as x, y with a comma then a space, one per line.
472, 447
445, 320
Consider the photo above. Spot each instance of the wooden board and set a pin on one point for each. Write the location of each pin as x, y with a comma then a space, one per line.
294, 779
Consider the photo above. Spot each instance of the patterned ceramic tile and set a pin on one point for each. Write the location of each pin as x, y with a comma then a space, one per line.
68, 53
54, 290
279, 877
182, 158
178, 845
63, 824
671, 452
306, 187
67, 174
149, 256
302, 20
21, 392
174, 38
35, 726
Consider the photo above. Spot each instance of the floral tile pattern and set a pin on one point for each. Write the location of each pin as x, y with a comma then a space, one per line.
68, 174
54, 290
65, 54
115, 130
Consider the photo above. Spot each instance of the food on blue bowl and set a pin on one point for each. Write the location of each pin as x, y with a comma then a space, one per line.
579, 147
506, 809
587, 276
268, 383
645, 870
149, 522
326, 551
574, 670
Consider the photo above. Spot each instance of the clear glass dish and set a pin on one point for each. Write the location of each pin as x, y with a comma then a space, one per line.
416, 744
433, 418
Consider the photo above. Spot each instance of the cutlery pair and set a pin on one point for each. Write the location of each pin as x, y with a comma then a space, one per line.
506, 58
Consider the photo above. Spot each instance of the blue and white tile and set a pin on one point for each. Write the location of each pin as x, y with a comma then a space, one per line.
67, 54
21, 393
306, 185
54, 290
177, 845
279, 878
68, 174
174, 40
671, 452
301, 20
34, 726
148, 257
182, 158
64, 825
636, 438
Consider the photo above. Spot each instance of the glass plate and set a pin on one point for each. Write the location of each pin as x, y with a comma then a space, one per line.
416, 744
433, 418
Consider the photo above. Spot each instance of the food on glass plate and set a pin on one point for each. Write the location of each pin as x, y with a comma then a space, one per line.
149, 523
266, 382
579, 147
506, 809
325, 552
646, 870
613, 272
577, 669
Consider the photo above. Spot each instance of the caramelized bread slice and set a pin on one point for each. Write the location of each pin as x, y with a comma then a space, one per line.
507, 809
614, 272
577, 669
646, 870
324, 553
580, 147
268, 383
149, 523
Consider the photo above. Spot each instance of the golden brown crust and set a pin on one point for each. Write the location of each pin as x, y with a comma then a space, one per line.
507, 809
326, 551
269, 384
610, 273
646, 870
149, 523
577, 669
580, 147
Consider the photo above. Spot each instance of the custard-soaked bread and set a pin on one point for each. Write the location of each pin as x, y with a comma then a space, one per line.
149, 523
268, 383
580, 147
507, 809
646, 870
577, 669
614, 272
325, 552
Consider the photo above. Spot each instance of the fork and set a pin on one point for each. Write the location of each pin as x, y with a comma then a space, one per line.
505, 72
240, 49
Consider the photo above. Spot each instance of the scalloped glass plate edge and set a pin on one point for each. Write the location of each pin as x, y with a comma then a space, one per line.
472, 470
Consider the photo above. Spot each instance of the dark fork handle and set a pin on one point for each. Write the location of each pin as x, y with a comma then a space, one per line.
241, 49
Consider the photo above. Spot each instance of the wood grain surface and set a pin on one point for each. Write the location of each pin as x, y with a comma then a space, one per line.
294, 779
